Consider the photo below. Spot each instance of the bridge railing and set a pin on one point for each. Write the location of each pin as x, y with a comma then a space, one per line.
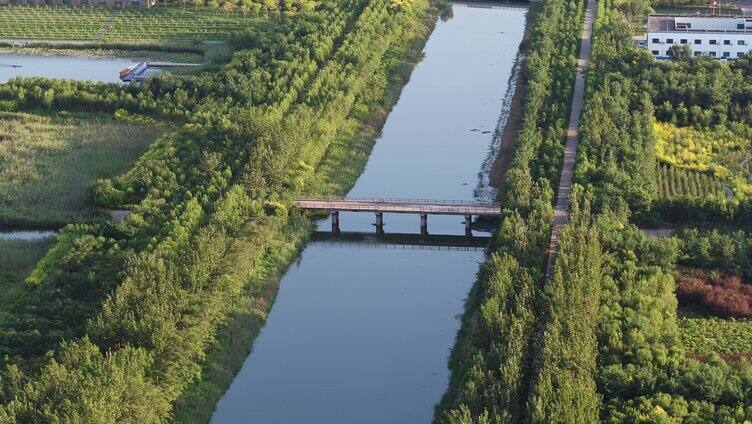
396, 200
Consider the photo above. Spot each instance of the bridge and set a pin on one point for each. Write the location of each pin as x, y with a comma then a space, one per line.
379, 206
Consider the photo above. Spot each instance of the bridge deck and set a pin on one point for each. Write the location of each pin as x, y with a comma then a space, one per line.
418, 206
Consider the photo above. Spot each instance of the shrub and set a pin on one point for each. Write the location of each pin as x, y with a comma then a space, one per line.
722, 293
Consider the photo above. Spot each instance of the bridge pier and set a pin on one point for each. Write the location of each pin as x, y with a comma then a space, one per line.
335, 221
468, 225
424, 224
379, 222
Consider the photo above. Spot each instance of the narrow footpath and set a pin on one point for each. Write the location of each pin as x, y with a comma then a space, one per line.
573, 138
106, 27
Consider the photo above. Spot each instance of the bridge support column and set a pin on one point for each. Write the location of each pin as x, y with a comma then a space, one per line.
468, 225
424, 224
379, 223
335, 221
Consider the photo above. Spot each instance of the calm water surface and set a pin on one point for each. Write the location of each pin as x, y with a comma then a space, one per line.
361, 334
70, 67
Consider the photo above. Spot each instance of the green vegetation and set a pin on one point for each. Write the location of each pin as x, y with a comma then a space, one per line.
644, 373
563, 389
730, 250
134, 25
246, 315
18, 258
148, 318
337, 172
129, 25
48, 164
711, 335
675, 182
55, 22
141, 301
603, 334
719, 152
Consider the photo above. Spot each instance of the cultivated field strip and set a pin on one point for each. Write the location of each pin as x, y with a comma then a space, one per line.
128, 24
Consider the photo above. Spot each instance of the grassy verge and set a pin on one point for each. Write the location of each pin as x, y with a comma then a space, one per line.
48, 164
17, 259
139, 53
337, 173
246, 316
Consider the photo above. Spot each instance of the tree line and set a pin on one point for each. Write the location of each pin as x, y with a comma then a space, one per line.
643, 373
502, 364
139, 300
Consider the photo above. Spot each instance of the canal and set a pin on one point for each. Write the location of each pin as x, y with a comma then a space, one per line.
362, 332
97, 69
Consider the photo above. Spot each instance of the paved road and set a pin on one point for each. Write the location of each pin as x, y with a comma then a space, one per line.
573, 138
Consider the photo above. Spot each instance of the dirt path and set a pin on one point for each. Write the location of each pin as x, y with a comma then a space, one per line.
573, 138
659, 232
106, 27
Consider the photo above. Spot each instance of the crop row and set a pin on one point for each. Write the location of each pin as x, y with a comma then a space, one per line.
675, 182
87, 22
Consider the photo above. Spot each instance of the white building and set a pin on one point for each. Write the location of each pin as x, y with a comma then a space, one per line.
724, 37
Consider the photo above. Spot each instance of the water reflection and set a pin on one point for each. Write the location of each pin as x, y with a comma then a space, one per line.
102, 69
402, 240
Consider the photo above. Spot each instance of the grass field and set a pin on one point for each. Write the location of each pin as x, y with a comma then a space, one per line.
48, 164
17, 258
128, 25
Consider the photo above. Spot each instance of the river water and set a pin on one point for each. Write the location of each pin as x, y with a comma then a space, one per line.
361, 333
99, 69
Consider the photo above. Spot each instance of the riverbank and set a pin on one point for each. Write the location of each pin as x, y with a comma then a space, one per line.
343, 163
508, 135
137, 54
507, 138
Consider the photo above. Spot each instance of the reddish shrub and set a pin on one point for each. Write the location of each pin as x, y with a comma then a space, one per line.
721, 292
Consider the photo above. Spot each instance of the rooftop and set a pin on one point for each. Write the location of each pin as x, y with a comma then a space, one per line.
700, 24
